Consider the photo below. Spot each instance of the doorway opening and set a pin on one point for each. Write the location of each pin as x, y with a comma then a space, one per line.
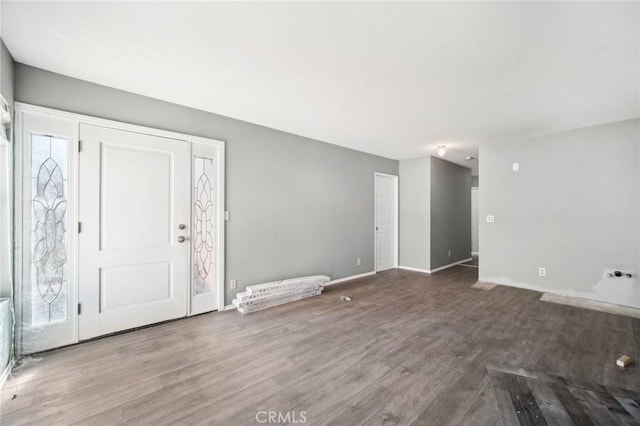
475, 223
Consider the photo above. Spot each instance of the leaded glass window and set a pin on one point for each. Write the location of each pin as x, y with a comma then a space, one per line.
49, 189
203, 229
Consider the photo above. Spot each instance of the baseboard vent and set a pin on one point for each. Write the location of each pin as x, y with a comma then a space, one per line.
577, 302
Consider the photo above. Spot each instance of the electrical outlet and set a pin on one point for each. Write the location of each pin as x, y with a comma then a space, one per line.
449, 253
233, 284
542, 272
617, 273
491, 218
358, 261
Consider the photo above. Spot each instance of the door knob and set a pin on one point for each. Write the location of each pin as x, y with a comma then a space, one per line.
181, 239
182, 226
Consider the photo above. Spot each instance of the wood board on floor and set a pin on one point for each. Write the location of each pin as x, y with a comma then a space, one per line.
531, 399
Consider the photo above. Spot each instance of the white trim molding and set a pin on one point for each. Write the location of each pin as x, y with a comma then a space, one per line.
440, 268
594, 305
6, 372
229, 308
349, 278
451, 265
407, 268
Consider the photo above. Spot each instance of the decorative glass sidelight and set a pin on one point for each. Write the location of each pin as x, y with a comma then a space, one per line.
203, 226
49, 189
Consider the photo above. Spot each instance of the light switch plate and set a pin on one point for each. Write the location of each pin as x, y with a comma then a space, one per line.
234, 284
516, 167
491, 218
227, 215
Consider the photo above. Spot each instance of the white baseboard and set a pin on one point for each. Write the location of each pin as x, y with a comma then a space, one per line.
475, 253
568, 298
451, 265
407, 268
578, 302
469, 266
431, 271
229, 308
5, 374
352, 277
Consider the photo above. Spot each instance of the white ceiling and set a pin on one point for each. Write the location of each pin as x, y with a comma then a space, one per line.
393, 79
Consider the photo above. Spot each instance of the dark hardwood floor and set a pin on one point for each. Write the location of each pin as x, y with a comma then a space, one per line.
408, 349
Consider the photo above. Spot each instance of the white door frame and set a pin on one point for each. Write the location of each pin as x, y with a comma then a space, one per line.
395, 219
22, 236
21, 108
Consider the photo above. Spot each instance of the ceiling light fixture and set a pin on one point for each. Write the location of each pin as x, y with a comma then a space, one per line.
442, 150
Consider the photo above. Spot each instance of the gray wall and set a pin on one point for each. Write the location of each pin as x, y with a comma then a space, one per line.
6, 73
414, 213
573, 208
475, 181
450, 213
6, 167
6, 213
298, 206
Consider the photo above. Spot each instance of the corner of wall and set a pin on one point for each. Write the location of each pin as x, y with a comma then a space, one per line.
414, 213
428, 220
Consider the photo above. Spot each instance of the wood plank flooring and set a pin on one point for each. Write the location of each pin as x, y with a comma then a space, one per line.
529, 398
410, 348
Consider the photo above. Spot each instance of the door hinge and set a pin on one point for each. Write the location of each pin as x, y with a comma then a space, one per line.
79, 308
79, 146
79, 227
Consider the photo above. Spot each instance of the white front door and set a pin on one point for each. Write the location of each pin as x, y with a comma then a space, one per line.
120, 230
134, 213
386, 195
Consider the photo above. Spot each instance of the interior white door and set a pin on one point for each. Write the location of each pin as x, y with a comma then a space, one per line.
135, 221
475, 246
46, 295
386, 221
